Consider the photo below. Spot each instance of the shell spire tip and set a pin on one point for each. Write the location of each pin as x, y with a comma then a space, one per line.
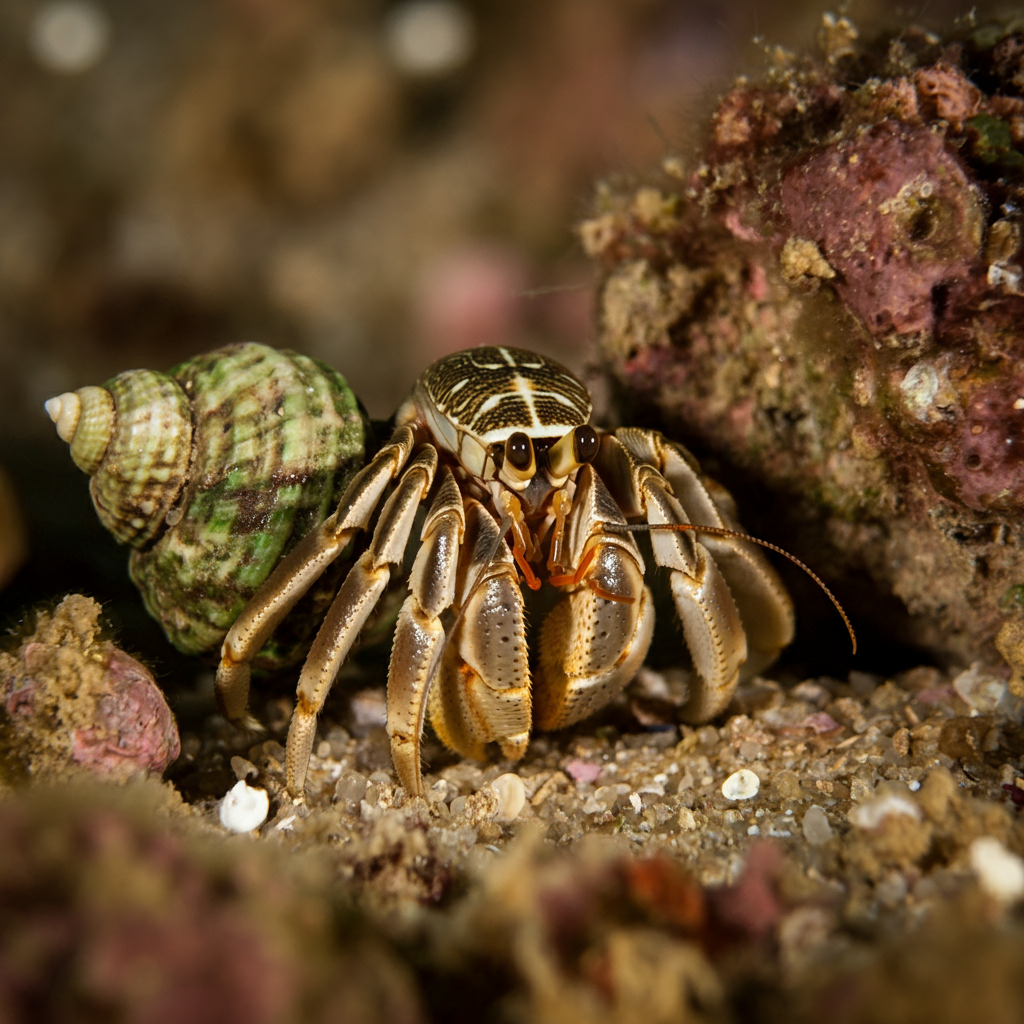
64, 411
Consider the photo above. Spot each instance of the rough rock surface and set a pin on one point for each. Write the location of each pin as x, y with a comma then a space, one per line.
71, 701
827, 296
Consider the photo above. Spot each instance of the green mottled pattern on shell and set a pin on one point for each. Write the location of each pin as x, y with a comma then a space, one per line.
146, 460
277, 437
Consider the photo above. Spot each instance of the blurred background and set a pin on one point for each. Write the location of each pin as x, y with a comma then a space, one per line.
373, 183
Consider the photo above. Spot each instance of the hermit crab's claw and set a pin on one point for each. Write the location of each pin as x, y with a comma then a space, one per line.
597, 635
481, 692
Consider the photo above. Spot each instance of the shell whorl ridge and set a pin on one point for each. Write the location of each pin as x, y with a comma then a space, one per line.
133, 436
85, 419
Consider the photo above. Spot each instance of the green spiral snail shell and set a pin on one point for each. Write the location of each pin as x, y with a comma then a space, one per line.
211, 473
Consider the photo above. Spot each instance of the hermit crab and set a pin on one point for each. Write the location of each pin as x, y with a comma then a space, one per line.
493, 460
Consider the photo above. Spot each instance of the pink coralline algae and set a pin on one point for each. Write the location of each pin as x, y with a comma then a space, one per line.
896, 217
73, 701
828, 297
133, 726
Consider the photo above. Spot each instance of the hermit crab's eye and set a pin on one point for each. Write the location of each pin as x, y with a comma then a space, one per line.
519, 453
585, 443
580, 445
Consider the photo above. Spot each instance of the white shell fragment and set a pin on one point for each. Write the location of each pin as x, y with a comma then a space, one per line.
511, 796
244, 808
741, 785
1000, 873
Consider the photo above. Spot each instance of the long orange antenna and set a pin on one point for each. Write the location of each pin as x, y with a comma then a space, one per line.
721, 531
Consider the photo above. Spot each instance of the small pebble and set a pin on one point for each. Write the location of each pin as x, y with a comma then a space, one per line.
69, 36
243, 768
873, 812
583, 771
635, 802
369, 708
817, 830
511, 796
901, 741
741, 785
429, 37
820, 722
244, 808
979, 689
350, 789
1000, 873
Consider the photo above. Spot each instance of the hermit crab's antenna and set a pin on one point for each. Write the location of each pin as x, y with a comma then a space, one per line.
721, 531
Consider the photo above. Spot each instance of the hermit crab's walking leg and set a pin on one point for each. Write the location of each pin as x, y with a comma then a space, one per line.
630, 461
419, 634
300, 568
358, 596
482, 689
764, 605
596, 636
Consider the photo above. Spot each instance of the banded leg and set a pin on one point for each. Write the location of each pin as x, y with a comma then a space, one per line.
299, 569
711, 621
419, 634
482, 689
765, 607
357, 597
596, 637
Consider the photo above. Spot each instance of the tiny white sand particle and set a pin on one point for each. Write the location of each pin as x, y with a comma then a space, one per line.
511, 796
286, 824
244, 808
913, 785
1000, 873
687, 819
741, 785
634, 799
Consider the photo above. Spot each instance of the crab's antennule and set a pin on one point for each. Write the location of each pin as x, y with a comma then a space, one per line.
721, 531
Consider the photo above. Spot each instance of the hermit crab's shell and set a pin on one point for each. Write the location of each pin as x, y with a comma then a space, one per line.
232, 456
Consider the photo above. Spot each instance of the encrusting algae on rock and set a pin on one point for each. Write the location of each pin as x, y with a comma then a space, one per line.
72, 702
830, 297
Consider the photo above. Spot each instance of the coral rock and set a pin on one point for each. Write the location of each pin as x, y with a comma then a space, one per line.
833, 310
70, 700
